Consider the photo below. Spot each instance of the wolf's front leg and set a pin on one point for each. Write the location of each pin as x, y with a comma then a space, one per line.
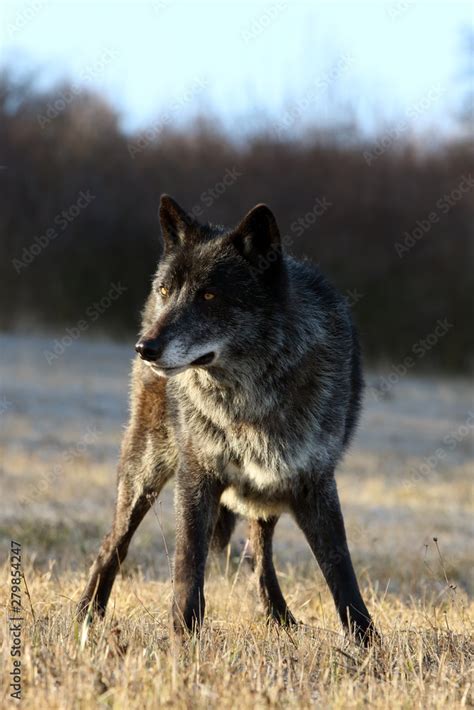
318, 513
197, 502
141, 477
130, 510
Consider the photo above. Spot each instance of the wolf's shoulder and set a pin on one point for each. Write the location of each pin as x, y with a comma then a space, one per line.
308, 284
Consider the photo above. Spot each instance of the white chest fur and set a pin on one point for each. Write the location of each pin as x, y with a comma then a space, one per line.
252, 489
250, 508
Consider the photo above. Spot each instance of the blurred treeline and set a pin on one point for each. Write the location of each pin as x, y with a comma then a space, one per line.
364, 198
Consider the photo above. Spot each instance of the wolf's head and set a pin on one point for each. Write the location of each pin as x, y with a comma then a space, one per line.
216, 292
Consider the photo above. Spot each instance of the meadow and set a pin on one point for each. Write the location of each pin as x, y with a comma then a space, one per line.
406, 491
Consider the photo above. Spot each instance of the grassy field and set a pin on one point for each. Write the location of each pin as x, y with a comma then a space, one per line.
406, 490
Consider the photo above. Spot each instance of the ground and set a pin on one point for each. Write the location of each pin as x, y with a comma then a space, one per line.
406, 491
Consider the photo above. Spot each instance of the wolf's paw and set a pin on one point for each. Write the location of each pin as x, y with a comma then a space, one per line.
88, 610
366, 635
282, 617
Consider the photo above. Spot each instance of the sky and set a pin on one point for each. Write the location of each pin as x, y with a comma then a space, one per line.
286, 62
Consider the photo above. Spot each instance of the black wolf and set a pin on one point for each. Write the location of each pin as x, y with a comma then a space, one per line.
247, 388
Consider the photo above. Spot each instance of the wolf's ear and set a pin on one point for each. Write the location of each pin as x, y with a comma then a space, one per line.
175, 222
257, 238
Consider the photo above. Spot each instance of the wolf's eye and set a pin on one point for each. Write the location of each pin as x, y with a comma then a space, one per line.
164, 291
208, 295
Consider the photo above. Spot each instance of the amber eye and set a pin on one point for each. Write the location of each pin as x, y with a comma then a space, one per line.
208, 295
164, 291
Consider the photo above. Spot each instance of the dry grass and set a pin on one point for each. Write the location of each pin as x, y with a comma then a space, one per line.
419, 591
240, 662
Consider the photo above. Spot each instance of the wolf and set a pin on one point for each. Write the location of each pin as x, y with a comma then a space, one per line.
247, 388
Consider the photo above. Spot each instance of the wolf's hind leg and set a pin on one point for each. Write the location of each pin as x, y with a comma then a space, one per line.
261, 534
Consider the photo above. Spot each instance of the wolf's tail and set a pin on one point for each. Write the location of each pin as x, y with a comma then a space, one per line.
224, 528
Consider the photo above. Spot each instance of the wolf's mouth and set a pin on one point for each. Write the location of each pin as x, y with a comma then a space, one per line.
204, 359
170, 371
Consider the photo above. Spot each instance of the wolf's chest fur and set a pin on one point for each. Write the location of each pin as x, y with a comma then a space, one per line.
262, 446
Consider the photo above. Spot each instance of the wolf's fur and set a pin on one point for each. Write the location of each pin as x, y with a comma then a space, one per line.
258, 430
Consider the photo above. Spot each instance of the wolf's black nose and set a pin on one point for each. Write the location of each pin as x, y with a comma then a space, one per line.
149, 349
